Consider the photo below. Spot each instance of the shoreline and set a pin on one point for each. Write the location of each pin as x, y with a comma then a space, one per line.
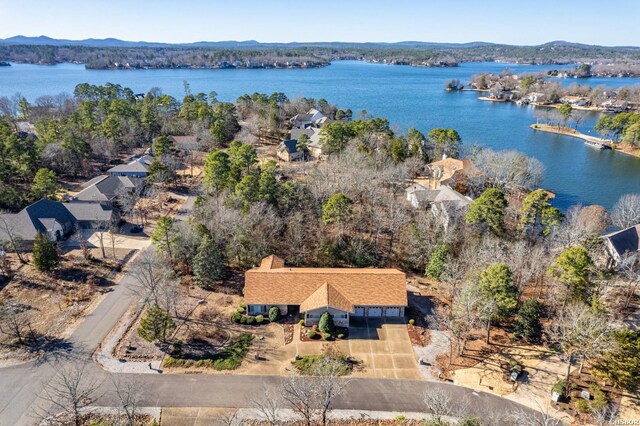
566, 131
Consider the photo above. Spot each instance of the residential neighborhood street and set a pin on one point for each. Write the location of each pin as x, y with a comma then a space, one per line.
21, 385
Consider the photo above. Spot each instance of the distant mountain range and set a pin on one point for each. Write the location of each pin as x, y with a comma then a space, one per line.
114, 42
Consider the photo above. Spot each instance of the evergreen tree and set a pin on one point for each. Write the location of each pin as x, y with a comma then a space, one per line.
499, 294
572, 268
162, 146
45, 184
208, 265
268, 182
326, 324
45, 254
337, 209
163, 236
527, 323
621, 364
537, 212
437, 262
488, 209
156, 324
216, 171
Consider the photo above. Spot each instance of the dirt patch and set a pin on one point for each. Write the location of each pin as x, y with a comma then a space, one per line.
47, 308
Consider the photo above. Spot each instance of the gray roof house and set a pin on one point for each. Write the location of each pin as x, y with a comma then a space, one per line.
288, 151
312, 118
445, 203
316, 147
623, 247
48, 217
93, 215
108, 187
138, 167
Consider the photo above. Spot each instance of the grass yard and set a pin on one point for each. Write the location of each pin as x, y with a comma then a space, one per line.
229, 358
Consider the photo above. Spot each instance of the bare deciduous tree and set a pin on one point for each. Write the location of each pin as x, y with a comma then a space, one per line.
626, 211
151, 276
269, 406
71, 391
128, 391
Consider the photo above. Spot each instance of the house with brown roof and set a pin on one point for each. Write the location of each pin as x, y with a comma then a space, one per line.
343, 292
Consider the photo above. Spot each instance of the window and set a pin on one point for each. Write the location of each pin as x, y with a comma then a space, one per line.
339, 316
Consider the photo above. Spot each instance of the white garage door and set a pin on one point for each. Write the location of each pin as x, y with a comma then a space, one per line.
374, 312
359, 312
392, 312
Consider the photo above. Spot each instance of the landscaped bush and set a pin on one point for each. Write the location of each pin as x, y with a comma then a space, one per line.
240, 310
250, 319
326, 324
412, 321
340, 336
274, 313
243, 319
236, 317
559, 387
582, 406
259, 319
301, 322
600, 399
326, 336
311, 334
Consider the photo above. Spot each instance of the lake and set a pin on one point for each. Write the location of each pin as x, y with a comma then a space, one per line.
407, 96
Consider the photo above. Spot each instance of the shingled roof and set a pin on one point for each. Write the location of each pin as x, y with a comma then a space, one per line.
275, 284
625, 241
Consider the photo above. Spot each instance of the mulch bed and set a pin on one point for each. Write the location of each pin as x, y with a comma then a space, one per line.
288, 333
419, 336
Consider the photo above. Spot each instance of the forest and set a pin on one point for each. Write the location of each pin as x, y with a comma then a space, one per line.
309, 55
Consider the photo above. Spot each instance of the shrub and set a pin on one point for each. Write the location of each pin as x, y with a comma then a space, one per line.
259, 319
250, 319
241, 310
600, 399
301, 322
326, 336
412, 321
437, 262
340, 336
243, 305
326, 324
274, 313
243, 319
236, 317
560, 387
311, 334
582, 406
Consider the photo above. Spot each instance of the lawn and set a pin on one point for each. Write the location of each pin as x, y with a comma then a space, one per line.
310, 365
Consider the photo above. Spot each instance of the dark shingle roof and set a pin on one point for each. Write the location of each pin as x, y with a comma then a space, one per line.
90, 211
626, 240
290, 146
107, 188
38, 217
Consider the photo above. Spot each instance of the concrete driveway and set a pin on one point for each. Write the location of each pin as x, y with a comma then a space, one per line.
384, 346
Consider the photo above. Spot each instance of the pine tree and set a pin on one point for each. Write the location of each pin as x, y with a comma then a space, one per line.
45, 255
437, 262
527, 322
156, 324
208, 266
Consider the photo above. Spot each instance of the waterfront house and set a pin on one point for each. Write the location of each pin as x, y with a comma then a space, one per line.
622, 247
139, 167
452, 172
312, 118
343, 292
615, 105
316, 147
536, 98
578, 101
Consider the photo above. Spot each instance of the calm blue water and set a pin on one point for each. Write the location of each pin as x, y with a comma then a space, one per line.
407, 96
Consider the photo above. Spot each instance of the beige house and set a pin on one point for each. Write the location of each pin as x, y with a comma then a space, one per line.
344, 292
452, 172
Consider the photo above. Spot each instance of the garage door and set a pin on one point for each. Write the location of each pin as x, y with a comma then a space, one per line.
359, 312
392, 312
374, 312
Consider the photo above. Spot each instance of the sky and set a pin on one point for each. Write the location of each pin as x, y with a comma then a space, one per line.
603, 22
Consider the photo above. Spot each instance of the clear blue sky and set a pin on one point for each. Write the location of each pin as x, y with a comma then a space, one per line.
606, 22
